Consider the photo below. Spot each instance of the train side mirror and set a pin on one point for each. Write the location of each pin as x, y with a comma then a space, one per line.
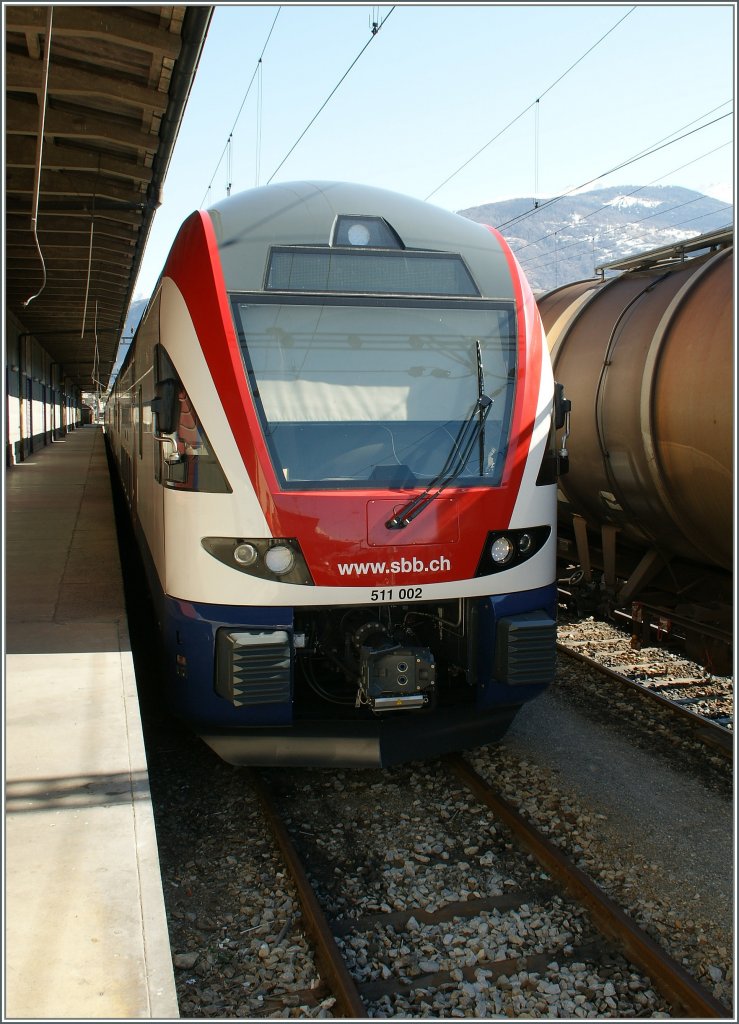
166, 406
562, 408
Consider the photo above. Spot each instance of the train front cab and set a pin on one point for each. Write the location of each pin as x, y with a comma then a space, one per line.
288, 669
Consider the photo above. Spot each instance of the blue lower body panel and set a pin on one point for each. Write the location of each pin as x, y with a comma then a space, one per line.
191, 641
233, 675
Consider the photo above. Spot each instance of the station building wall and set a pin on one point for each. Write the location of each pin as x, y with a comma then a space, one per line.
41, 404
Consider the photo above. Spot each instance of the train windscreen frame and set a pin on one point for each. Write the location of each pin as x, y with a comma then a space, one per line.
354, 392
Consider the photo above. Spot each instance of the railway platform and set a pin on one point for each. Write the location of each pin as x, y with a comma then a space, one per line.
85, 926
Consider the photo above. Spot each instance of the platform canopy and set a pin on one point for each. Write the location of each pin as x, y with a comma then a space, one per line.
94, 98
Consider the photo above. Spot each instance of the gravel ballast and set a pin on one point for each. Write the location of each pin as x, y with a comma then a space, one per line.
639, 817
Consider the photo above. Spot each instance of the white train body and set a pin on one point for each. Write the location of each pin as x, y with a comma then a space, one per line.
334, 429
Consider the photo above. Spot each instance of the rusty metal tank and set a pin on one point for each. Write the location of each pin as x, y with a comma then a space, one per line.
647, 361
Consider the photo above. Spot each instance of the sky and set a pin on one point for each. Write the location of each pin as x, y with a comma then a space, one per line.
456, 104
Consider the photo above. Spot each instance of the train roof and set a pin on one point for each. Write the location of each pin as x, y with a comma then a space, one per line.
304, 213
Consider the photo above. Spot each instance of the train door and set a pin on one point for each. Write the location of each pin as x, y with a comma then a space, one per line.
136, 446
155, 497
147, 451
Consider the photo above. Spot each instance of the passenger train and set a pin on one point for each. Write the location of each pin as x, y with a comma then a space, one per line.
339, 437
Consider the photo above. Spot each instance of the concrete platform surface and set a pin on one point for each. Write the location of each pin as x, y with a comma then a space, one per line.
85, 926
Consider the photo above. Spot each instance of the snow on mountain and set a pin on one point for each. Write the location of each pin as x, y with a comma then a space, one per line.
564, 239
625, 201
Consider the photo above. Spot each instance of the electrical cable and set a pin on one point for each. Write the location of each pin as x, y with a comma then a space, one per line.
325, 102
96, 355
89, 271
632, 241
39, 151
689, 124
612, 170
246, 94
605, 206
536, 154
533, 103
666, 140
260, 102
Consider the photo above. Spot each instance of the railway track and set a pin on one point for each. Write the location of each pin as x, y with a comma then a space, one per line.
702, 702
239, 934
388, 948
701, 630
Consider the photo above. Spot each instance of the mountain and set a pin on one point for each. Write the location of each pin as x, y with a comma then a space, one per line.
135, 312
565, 239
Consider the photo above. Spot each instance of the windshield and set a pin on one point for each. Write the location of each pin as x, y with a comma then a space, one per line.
358, 394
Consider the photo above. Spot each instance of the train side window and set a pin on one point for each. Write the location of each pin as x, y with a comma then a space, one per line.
186, 461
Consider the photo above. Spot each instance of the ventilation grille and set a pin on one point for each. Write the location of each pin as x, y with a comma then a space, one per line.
526, 649
254, 667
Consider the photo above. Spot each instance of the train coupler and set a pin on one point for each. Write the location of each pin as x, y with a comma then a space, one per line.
396, 678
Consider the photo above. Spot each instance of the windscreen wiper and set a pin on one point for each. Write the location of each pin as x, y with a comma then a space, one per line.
472, 430
480, 396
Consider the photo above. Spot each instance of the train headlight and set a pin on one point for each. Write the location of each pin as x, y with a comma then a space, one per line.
279, 559
364, 232
525, 543
245, 554
501, 550
358, 234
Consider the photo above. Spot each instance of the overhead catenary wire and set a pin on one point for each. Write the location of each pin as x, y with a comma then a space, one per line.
566, 58
375, 29
625, 163
689, 124
527, 262
518, 249
258, 147
536, 153
532, 104
640, 240
635, 243
246, 95
664, 142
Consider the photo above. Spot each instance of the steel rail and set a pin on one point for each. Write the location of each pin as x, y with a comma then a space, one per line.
328, 955
679, 987
710, 732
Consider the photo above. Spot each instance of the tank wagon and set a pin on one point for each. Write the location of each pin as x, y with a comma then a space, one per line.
647, 360
339, 437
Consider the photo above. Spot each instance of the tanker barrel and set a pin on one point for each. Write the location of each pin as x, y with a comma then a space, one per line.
646, 359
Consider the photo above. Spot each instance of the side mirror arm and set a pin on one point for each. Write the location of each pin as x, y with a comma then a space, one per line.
562, 409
